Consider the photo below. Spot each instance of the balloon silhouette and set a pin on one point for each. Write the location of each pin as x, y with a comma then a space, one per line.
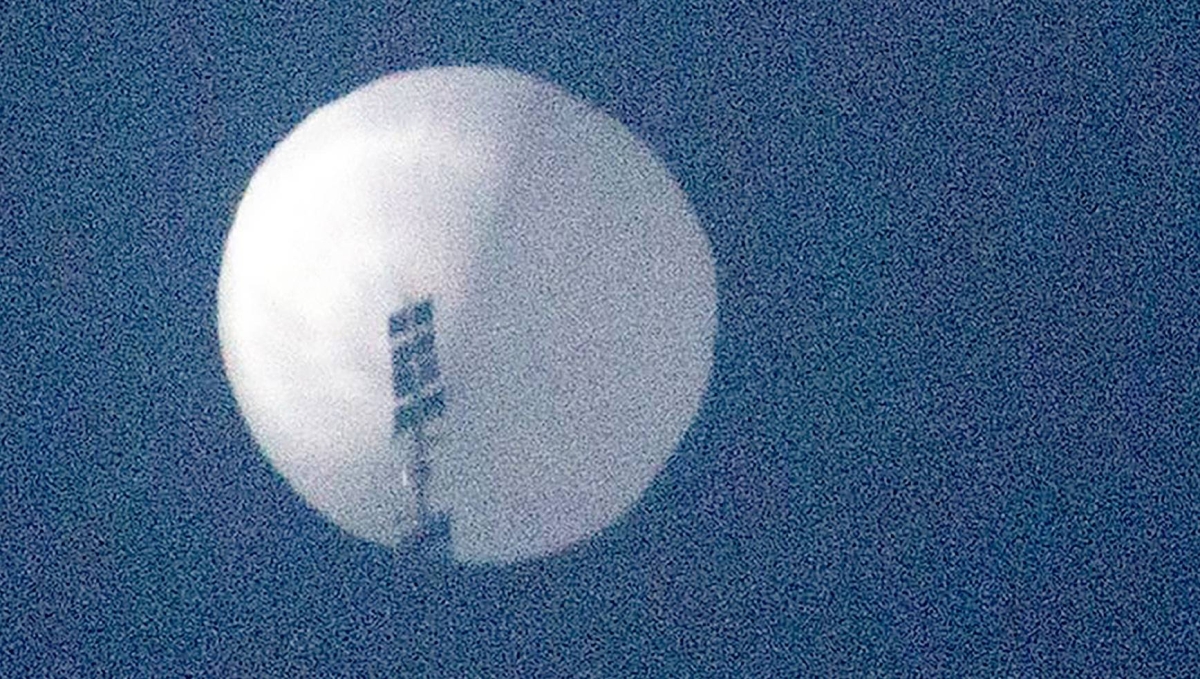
571, 310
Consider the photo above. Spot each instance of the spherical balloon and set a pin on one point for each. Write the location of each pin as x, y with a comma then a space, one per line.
575, 308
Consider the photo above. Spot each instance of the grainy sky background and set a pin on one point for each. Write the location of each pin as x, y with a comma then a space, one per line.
954, 419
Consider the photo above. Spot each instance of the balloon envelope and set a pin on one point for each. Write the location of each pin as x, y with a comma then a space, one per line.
574, 294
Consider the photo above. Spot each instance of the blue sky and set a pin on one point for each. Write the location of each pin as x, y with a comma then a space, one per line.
951, 427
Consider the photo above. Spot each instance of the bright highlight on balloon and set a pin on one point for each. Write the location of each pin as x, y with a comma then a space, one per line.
572, 295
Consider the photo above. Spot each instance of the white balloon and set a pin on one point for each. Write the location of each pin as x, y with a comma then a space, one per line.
575, 308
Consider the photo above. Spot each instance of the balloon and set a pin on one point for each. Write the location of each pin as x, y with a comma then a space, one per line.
572, 289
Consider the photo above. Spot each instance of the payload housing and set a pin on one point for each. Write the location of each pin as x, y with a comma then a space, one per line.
420, 399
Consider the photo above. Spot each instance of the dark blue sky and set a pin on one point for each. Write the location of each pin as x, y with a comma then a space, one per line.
954, 421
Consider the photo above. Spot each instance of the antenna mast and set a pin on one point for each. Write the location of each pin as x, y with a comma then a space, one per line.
420, 398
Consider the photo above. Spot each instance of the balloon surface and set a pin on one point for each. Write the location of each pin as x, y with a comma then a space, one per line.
575, 308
